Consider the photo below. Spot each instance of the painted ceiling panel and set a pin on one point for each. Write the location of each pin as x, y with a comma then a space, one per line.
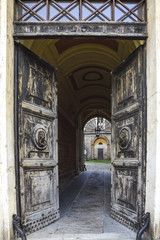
61, 47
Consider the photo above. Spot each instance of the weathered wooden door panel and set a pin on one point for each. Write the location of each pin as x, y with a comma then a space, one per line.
37, 141
100, 153
128, 139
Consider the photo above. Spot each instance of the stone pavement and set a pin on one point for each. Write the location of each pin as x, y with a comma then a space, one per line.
84, 208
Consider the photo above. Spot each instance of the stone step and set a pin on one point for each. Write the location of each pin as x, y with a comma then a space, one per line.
102, 236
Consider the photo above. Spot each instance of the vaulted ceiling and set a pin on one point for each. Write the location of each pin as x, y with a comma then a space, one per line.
83, 72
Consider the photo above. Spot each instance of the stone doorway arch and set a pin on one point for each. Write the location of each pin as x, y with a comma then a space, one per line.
101, 142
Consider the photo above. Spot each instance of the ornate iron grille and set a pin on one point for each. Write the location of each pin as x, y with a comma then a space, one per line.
81, 10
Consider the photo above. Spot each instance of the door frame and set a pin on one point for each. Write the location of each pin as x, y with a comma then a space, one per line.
25, 31
17, 167
111, 30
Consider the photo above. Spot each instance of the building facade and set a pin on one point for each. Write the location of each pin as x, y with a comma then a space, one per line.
84, 85
97, 147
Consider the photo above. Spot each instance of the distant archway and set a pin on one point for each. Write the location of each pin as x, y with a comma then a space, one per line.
94, 144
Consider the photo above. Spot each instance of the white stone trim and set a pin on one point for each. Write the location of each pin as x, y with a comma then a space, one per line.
153, 117
7, 168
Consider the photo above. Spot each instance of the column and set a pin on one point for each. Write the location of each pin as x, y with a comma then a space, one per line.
153, 117
7, 169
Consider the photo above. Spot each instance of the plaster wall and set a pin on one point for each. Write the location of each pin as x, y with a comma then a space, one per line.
88, 146
7, 168
66, 148
153, 117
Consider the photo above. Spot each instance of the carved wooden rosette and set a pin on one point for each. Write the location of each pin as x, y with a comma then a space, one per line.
40, 137
124, 137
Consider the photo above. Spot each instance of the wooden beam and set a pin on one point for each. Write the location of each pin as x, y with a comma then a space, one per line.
113, 30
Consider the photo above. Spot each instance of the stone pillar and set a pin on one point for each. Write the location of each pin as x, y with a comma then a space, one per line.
77, 147
7, 169
153, 117
92, 151
81, 148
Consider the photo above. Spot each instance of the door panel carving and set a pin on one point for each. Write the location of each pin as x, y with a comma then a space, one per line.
39, 189
126, 191
128, 140
37, 141
37, 137
37, 89
40, 136
126, 87
127, 137
124, 137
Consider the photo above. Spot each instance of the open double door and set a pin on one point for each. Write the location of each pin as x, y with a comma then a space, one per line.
37, 155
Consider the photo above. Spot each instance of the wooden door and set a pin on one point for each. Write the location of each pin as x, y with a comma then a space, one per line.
37, 140
129, 139
100, 153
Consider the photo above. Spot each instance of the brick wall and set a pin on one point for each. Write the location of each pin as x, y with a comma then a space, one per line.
66, 148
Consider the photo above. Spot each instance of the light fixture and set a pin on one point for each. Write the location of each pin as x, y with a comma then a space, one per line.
97, 129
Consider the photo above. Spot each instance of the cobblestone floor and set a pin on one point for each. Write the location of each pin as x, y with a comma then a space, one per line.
84, 208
